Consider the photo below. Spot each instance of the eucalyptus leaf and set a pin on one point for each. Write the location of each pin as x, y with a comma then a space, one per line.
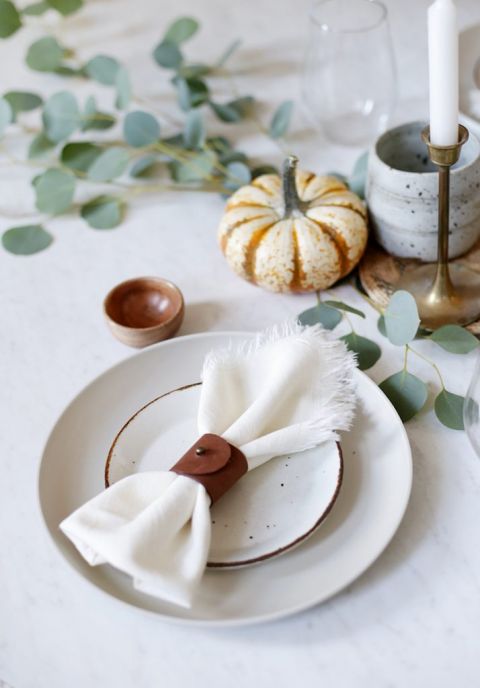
167, 54
407, 393
6, 115
455, 339
36, 9
243, 105
233, 156
144, 165
228, 52
140, 129
191, 71
368, 352
176, 141
35, 179
60, 116
109, 165
401, 318
181, 30
45, 55
264, 169
123, 89
92, 118
98, 121
234, 111
423, 333
22, 101
66, 70
54, 191
103, 69
449, 409
40, 145
226, 112
358, 178
238, 175
103, 212
196, 169
219, 144
345, 307
10, 20
65, 7
381, 325
79, 156
320, 314
26, 240
471, 411
191, 92
194, 132
281, 119
183, 93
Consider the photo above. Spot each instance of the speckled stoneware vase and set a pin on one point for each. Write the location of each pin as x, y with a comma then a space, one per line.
402, 195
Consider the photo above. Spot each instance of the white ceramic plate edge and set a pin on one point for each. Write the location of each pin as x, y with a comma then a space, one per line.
224, 623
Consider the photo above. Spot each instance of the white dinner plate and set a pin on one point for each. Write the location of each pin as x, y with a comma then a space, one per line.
268, 512
376, 487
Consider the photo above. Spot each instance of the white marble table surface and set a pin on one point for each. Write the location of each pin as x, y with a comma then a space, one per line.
413, 618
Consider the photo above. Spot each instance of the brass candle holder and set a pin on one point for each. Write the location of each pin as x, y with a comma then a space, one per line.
445, 294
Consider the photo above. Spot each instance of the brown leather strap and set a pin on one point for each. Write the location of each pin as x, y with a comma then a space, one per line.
214, 463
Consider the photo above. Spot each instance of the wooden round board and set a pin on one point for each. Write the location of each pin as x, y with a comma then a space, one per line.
379, 273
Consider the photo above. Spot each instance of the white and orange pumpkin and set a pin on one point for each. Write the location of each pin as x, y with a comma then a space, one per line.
299, 234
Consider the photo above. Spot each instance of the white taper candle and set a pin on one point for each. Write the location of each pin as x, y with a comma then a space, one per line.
443, 69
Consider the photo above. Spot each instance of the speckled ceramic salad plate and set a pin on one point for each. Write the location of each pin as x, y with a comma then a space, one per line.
269, 511
365, 514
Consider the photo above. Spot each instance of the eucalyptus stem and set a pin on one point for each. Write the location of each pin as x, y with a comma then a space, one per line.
137, 189
12, 160
407, 349
349, 321
172, 121
430, 362
185, 159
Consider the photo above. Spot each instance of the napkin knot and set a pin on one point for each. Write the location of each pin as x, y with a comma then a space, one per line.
214, 463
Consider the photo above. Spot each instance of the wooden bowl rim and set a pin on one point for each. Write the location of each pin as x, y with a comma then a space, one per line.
159, 326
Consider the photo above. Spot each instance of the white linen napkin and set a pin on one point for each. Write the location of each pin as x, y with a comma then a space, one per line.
288, 390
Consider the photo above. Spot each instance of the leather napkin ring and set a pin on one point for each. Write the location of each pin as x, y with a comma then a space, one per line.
214, 463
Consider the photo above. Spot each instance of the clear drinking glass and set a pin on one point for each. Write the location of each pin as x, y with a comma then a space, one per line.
471, 416
349, 76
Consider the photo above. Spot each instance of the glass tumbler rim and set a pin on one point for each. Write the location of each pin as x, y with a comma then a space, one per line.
325, 26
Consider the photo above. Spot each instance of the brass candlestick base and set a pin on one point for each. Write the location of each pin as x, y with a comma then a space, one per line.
443, 298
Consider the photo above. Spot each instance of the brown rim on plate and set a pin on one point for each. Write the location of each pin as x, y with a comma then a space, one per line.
142, 408
253, 560
294, 543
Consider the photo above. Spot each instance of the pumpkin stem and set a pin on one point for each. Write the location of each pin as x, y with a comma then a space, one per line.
291, 199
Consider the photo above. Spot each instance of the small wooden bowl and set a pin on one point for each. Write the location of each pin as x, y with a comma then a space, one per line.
144, 310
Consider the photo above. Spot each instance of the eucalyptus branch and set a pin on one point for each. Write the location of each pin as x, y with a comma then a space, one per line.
349, 321
197, 161
429, 361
